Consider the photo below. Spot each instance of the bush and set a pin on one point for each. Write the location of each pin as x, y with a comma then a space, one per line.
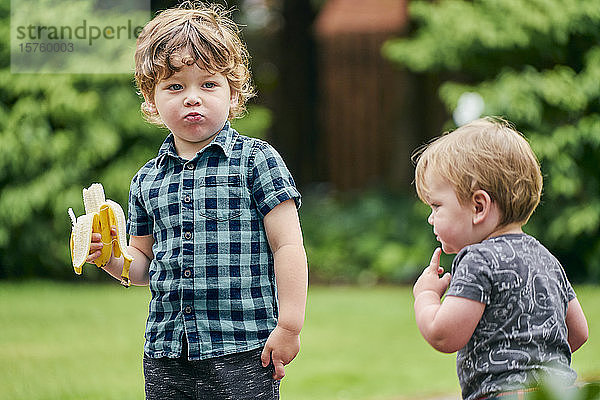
61, 133
373, 237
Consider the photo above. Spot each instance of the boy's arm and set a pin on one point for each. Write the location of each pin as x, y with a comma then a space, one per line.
447, 325
291, 273
576, 325
140, 247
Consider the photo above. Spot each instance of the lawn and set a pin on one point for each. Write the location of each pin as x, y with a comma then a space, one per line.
84, 341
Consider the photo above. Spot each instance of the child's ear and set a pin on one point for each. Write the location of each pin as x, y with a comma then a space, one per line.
149, 107
481, 202
234, 99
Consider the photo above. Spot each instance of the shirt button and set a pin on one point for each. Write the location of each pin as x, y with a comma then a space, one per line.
187, 273
187, 235
187, 309
187, 198
189, 166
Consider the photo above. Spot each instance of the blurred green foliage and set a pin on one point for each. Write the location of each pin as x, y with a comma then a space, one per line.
550, 391
366, 238
61, 133
536, 63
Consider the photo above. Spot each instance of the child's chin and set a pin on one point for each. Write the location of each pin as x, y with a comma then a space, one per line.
448, 249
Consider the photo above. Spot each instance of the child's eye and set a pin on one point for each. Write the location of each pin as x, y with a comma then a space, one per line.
209, 85
175, 86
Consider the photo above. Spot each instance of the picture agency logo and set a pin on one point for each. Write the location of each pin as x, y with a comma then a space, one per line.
89, 33
75, 36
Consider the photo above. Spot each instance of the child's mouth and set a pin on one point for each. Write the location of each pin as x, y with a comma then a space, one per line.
193, 117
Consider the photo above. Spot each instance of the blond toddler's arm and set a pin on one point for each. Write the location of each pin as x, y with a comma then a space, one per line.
576, 325
291, 273
447, 326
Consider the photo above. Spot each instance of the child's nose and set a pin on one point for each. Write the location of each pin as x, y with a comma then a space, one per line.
430, 218
192, 100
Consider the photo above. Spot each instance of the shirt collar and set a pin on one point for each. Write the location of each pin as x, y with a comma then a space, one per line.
224, 140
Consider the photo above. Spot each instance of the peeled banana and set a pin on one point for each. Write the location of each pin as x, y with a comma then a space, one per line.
100, 215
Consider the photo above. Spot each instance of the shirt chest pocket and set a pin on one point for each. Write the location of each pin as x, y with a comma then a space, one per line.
220, 197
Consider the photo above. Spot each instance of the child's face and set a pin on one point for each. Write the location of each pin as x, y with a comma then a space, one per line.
452, 221
194, 104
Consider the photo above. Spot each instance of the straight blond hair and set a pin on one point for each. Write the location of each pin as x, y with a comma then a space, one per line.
487, 154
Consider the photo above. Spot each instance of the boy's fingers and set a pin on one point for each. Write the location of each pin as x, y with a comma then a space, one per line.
434, 264
279, 370
95, 246
93, 255
265, 357
446, 279
97, 237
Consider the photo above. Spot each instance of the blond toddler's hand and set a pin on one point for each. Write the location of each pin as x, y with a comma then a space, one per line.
281, 348
430, 279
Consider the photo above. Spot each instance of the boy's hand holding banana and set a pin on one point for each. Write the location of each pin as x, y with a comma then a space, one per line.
100, 215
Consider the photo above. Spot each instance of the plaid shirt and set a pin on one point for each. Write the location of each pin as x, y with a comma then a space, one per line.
212, 275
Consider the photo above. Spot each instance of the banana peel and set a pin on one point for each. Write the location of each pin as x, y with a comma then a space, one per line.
100, 215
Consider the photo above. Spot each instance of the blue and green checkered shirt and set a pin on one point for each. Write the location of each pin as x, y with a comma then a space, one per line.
212, 276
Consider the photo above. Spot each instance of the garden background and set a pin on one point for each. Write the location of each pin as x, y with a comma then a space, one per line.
535, 62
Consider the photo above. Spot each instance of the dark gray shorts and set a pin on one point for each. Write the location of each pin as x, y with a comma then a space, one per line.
232, 377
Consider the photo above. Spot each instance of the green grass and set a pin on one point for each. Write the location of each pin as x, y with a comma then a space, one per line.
84, 341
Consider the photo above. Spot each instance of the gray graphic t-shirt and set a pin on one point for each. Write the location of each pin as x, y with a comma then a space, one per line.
522, 335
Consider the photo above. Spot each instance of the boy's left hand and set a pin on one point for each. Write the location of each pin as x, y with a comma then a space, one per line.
281, 348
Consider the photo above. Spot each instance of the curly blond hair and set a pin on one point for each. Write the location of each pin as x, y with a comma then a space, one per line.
487, 154
192, 33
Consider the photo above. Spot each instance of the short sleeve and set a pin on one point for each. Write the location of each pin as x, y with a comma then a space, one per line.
139, 222
471, 276
270, 181
570, 292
